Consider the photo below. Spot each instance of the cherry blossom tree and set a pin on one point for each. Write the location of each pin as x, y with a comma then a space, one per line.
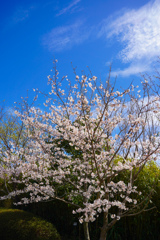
89, 134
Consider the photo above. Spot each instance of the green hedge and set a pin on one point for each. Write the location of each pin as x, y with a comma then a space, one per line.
20, 225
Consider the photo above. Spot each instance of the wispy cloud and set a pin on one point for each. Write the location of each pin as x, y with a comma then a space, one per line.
21, 14
139, 33
133, 69
65, 37
69, 7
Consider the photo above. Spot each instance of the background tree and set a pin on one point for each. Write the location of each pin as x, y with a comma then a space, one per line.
12, 133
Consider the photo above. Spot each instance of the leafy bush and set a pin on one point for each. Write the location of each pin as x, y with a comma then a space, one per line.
19, 225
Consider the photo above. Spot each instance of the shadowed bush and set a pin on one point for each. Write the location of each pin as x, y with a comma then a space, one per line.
19, 225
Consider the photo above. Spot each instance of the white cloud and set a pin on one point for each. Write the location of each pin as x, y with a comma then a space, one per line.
69, 7
139, 33
65, 37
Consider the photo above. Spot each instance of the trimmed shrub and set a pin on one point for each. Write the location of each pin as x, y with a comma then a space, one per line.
20, 225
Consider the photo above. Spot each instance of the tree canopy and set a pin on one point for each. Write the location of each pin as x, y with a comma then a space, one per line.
89, 134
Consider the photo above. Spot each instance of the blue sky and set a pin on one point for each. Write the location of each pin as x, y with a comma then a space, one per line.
90, 33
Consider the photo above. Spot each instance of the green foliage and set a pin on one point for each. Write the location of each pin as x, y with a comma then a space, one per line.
149, 177
20, 225
10, 130
143, 226
58, 213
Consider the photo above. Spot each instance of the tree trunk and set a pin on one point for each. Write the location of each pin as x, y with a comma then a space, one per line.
85, 224
86, 231
103, 234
